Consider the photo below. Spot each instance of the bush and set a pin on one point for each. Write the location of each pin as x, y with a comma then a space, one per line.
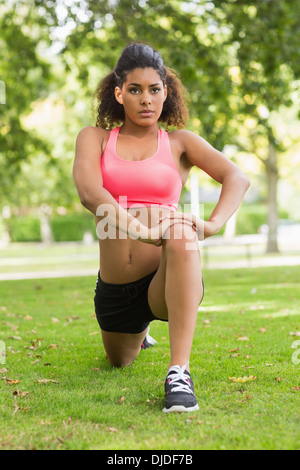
71, 227
24, 229
250, 217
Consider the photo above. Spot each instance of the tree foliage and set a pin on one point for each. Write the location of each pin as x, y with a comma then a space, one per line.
26, 77
239, 61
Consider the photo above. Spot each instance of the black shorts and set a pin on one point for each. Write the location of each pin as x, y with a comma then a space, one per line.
123, 308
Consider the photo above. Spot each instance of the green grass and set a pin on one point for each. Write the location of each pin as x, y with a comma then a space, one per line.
50, 332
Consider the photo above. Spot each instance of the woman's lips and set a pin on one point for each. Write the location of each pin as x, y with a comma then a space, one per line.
146, 113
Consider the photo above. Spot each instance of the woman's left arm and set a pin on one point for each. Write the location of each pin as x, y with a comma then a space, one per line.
234, 182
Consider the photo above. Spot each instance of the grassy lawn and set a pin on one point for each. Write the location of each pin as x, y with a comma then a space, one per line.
59, 392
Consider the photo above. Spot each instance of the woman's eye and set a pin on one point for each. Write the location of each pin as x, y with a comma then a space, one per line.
134, 91
155, 90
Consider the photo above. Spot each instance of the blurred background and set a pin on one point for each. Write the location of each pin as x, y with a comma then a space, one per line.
240, 63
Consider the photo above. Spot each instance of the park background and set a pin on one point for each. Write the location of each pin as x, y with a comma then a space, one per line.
239, 61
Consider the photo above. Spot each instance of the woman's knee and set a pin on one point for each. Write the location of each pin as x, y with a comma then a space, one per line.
120, 362
121, 358
181, 237
121, 348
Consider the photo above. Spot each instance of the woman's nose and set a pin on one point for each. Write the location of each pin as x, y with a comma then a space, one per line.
145, 98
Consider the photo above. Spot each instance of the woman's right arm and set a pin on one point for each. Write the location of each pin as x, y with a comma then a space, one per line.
89, 183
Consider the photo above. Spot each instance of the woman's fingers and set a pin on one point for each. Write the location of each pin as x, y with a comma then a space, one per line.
167, 223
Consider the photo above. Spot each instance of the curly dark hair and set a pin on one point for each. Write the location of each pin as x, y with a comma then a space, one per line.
111, 113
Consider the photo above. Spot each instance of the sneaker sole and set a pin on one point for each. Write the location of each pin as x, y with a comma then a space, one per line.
180, 409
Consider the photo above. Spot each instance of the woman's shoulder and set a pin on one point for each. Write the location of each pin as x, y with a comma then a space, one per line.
181, 134
92, 132
91, 135
181, 137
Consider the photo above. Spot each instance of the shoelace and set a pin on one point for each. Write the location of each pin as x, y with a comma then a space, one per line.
174, 378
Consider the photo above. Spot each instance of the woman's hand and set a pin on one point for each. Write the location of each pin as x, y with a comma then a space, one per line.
203, 228
156, 234
210, 229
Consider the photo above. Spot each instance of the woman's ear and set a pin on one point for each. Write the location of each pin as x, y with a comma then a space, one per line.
118, 95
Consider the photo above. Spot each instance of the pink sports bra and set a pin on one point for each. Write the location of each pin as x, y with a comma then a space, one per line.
153, 181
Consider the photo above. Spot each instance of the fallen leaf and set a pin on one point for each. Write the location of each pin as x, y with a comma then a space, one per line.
16, 408
18, 393
262, 330
121, 399
2, 371
110, 429
234, 350
67, 422
296, 388
55, 320
278, 379
12, 381
28, 317
295, 334
242, 379
243, 338
46, 381
35, 344
63, 439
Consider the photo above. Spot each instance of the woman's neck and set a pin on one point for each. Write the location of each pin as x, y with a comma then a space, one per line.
130, 128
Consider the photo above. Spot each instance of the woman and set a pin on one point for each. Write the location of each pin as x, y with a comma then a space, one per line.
130, 177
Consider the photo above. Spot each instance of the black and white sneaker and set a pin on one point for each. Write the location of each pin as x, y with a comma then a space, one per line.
148, 341
179, 389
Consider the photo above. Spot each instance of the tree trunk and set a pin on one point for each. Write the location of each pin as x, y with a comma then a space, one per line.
272, 177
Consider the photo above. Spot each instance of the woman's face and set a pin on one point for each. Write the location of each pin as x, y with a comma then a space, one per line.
142, 96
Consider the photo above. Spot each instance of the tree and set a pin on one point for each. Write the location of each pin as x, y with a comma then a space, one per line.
238, 59
26, 77
264, 36
96, 43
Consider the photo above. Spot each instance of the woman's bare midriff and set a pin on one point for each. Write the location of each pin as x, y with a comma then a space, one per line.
124, 260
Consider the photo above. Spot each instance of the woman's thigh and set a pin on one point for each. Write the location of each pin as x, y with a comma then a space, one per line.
156, 290
179, 241
122, 348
